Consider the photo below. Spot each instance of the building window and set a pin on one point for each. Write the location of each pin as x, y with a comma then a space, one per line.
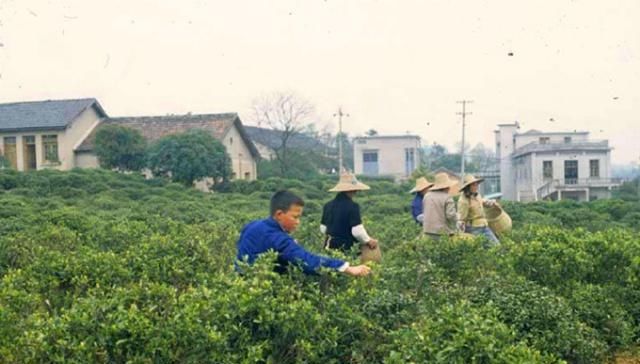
370, 162
594, 168
409, 160
570, 172
50, 146
545, 140
567, 140
231, 141
547, 169
247, 175
10, 152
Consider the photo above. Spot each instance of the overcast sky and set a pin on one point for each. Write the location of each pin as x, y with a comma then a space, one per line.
394, 66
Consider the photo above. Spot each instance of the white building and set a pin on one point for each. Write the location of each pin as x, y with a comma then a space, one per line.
568, 165
382, 155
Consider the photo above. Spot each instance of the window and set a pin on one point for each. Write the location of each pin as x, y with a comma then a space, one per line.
370, 162
594, 168
544, 140
231, 141
247, 175
567, 140
570, 172
409, 160
547, 169
10, 152
50, 146
370, 157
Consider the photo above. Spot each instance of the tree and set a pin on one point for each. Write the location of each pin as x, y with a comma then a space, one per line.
120, 147
4, 163
286, 113
189, 157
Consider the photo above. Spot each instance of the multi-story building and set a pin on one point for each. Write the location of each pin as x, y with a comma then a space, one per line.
539, 165
386, 155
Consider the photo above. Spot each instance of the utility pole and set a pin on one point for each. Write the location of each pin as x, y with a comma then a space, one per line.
464, 113
340, 114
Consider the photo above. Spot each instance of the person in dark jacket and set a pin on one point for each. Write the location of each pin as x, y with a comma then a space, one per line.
272, 234
341, 221
421, 188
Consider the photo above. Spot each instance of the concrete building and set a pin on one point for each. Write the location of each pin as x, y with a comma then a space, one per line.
59, 134
383, 155
539, 165
45, 134
227, 128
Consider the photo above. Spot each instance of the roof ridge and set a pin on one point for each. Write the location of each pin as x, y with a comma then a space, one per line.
48, 100
226, 114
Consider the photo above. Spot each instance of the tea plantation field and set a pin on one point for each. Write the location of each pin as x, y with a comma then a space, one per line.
100, 267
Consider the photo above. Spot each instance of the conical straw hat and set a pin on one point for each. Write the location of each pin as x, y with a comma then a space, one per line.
349, 182
469, 179
421, 184
442, 181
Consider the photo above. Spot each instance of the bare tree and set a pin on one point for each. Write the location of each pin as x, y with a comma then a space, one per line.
286, 113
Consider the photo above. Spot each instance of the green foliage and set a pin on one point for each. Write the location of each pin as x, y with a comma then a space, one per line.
97, 266
119, 147
189, 157
4, 163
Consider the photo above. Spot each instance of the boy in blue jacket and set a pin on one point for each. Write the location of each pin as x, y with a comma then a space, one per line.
260, 236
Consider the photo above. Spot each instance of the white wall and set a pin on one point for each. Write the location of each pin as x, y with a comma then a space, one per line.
242, 162
391, 154
505, 143
74, 135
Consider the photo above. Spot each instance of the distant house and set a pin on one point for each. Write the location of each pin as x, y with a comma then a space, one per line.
267, 141
227, 128
45, 134
386, 155
539, 165
60, 134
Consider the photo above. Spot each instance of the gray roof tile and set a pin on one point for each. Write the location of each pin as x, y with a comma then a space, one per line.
42, 115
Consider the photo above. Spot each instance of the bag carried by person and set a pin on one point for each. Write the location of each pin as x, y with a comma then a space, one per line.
370, 255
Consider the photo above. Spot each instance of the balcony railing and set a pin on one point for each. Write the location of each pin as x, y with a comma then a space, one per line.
551, 186
587, 182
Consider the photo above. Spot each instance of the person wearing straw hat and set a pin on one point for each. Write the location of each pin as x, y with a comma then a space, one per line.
421, 188
341, 221
471, 209
440, 216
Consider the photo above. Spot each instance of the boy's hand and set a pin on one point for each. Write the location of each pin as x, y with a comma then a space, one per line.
372, 243
358, 271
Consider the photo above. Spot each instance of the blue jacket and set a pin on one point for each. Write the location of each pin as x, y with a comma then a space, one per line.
416, 207
260, 236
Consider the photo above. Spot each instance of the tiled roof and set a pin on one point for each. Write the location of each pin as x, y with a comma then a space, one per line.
44, 115
153, 128
273, 139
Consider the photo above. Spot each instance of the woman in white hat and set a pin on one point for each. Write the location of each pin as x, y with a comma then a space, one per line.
471, 209
421, 188
439, 209
341, 221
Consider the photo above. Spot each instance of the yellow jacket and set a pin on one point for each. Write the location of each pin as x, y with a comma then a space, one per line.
471, 210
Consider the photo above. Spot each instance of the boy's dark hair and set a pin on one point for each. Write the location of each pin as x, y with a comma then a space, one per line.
283, 200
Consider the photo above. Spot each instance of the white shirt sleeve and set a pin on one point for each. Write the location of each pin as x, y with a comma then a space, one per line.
360, 233
343, 267
323, 228
420, 217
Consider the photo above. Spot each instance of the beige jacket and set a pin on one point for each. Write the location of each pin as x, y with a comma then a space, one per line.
439, 213
471, 211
